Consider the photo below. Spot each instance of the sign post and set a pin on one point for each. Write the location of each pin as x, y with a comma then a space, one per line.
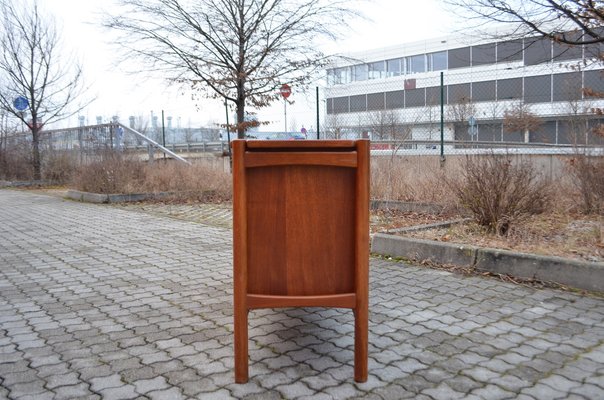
285, 91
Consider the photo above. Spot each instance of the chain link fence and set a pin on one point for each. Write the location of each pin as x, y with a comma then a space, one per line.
542, 107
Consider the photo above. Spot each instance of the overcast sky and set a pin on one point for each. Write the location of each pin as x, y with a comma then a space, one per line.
389, 22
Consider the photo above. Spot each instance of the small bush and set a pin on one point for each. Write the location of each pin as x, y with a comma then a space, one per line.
199, 181
59, 167
117, 173
588, 178
416, 179
15, 163
113, 172
498, 192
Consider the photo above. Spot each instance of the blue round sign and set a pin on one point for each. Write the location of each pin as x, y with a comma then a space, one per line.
21, 103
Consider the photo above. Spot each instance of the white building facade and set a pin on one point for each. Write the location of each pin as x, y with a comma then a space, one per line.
529, 90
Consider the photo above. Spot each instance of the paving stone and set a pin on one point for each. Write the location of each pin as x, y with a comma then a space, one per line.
145, 386
121, 392
443, 391
493, 392
71, 392
589, 391
31, 387
132, 375
542, 391
221, 394
55, 381
113, 302
112, 381
168, 394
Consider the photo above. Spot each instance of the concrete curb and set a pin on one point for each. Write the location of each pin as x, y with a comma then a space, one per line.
18, 184
406, 206
574, 273
111, 198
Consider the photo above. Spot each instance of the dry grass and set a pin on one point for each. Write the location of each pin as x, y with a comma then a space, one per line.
566, 235
419, 179
118, 173
561, 230
15, 163
198, 182
588, 177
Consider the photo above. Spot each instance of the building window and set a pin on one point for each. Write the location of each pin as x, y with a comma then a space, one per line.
340, 105
433, 95
537, 51
563, 51
359, 72
459, 58
358, 103
437, 61
567, 87
415, 98
375, 101
509, 89
395, 67
377, 70
538, 89
509, 51
572, 132
416, 64
483, 91
331, 80
594, 84
338, 76
395, 99
546, 133
484, 54
459, 93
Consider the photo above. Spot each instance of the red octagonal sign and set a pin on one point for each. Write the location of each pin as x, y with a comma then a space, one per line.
285, 90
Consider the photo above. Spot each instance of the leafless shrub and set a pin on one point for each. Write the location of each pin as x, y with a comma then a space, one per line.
59, 167
417, 179
113, 172
499, 192
15, 162
520, 118
200, 181
588, 178
118, 173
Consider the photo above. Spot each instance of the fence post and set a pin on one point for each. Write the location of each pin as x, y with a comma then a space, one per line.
317, 112
442, 119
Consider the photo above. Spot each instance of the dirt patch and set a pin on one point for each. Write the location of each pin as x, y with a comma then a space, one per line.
573, 236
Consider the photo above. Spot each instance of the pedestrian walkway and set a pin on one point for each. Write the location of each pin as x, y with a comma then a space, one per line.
103, 302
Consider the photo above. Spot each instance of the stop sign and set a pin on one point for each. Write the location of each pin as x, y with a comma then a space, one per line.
285, 90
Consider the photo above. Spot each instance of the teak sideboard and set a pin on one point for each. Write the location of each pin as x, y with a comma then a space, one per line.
301, 233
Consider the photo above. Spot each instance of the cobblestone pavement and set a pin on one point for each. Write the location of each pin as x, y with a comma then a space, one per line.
219, 215
103, 302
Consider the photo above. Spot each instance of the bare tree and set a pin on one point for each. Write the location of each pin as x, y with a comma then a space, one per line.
573, 22
384, 124
32, 66
520, 118
238, 50
333, 126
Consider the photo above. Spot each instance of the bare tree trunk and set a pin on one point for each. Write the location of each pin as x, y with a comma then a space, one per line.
241, 118
35, 152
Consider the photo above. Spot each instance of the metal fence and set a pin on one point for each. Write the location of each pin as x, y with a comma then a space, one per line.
509, 105
89, 143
